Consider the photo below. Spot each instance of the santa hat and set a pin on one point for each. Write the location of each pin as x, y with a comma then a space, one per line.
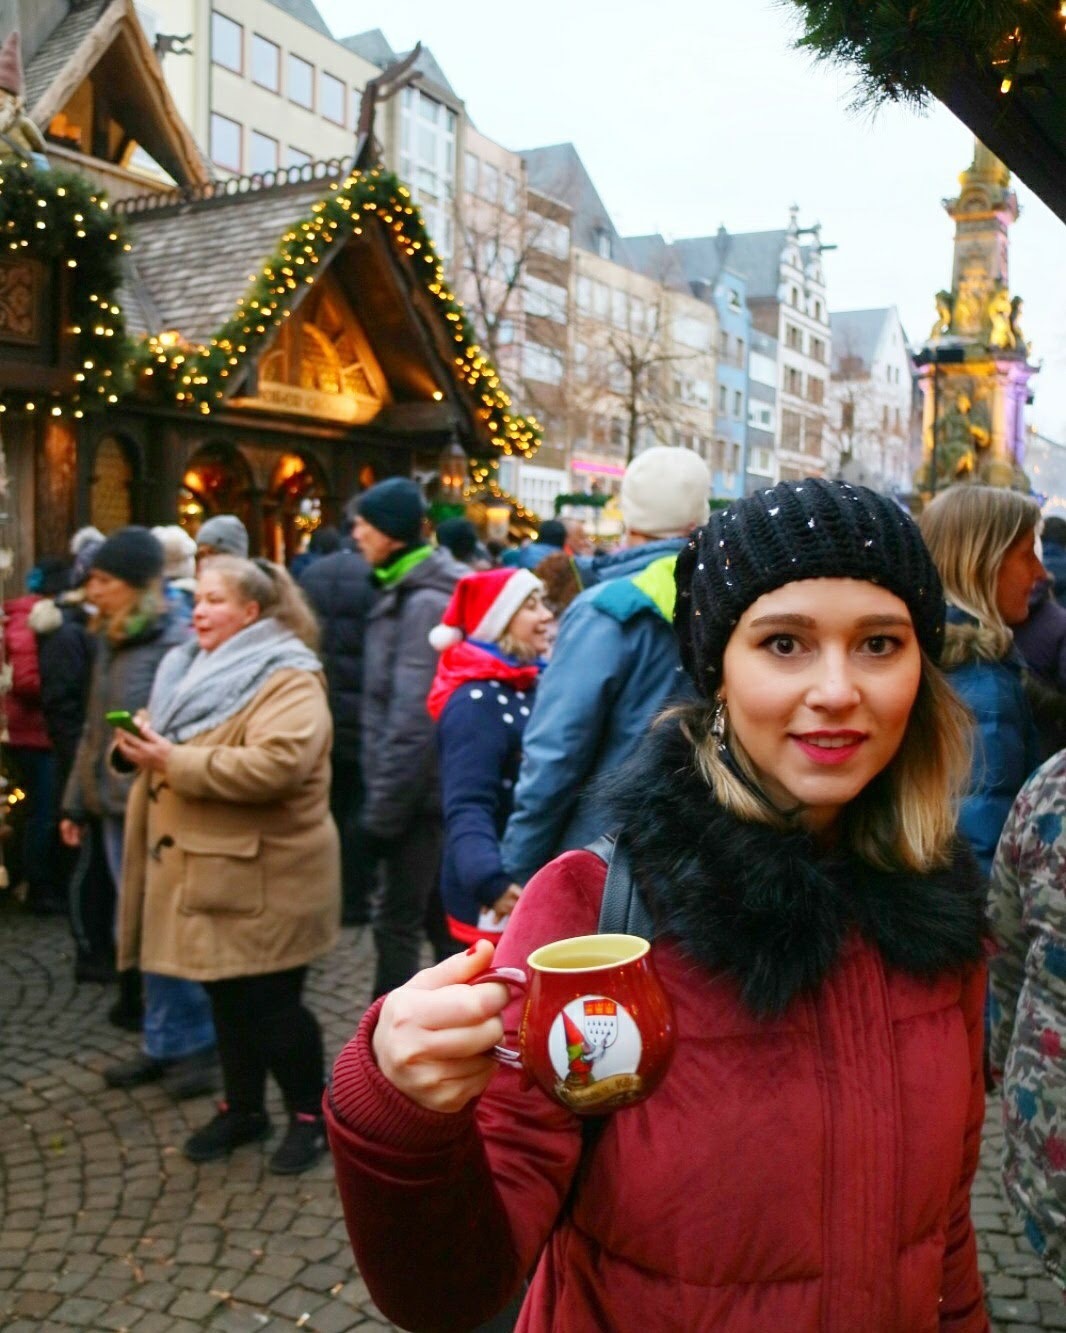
482, 606
11, 78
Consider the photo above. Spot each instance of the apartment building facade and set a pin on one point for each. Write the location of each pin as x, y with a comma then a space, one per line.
871, 400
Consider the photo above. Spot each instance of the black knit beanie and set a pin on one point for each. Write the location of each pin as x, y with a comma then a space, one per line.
394, 507
132, 555
796, 530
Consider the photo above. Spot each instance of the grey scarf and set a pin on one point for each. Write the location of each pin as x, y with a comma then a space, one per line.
195, 691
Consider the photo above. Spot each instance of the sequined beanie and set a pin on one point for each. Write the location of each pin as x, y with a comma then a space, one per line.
795, 530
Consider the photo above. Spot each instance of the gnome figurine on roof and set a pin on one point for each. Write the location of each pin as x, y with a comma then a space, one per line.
19, 136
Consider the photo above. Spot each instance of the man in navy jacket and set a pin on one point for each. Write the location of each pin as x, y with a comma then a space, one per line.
614, 666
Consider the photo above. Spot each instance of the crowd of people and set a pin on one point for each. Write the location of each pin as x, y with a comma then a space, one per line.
829, 743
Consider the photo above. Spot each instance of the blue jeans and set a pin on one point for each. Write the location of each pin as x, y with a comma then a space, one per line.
177, 1013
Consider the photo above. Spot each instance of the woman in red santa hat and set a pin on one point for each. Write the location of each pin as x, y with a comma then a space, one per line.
492, 642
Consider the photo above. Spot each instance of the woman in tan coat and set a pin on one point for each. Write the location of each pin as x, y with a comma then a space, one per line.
231, 872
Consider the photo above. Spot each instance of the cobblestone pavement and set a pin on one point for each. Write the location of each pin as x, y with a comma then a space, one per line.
105, 1226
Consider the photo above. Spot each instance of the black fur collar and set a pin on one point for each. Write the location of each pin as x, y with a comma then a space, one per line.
763, 905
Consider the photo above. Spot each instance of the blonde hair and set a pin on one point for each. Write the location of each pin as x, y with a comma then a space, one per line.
969, 529
904, 818
142, 607
272, 589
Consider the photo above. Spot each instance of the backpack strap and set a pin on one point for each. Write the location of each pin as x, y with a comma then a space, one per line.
622, 911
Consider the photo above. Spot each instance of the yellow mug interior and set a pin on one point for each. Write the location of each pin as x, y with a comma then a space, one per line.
586, 953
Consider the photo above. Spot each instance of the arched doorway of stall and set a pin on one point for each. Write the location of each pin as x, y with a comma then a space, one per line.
217, 480
298, 492
114, 475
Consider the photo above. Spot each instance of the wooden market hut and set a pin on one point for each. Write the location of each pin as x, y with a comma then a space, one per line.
305, 345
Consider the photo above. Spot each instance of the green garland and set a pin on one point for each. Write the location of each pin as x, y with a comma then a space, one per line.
906, 50
57, 218
199, 377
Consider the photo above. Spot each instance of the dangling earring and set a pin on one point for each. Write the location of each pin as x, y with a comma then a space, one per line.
718, 720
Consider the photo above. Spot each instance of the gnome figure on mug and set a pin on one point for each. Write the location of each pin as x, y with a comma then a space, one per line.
492, 642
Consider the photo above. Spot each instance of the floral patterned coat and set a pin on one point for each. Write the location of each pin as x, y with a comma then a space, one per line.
1027, 911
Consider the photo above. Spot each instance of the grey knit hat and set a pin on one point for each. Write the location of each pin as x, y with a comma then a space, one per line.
796, 530
225, 534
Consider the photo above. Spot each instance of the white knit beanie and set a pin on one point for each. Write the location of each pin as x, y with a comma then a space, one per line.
665, 492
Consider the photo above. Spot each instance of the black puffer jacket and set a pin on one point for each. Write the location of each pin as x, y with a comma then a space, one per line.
65, 651
339, 589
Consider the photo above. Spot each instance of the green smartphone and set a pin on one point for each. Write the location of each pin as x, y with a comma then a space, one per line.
122, 718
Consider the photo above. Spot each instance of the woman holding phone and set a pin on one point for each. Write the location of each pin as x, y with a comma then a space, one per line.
232, 873
817, 924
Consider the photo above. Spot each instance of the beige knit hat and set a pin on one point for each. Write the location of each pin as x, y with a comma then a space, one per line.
665, 492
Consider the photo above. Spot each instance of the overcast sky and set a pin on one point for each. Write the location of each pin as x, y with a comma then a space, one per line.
691, 113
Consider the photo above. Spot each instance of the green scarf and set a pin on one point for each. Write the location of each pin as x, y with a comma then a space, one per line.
389, 575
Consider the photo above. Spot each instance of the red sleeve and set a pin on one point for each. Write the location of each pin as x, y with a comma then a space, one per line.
472, 1196
962, 1305
21, 645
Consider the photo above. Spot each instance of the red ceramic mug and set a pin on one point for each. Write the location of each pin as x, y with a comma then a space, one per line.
597, 1029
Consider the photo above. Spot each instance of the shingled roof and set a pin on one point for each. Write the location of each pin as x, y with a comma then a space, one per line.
192, 261
61, 45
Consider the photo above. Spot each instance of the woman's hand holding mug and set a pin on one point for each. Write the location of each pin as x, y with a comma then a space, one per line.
435, 1035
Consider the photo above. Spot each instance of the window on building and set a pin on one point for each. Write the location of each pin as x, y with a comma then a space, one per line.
510, 193
618, 435
603, 244
818, 311
815, 389
490, 182
884, 416
734, 462
618, 308
793, 337
718, 456
791, 423
723, 344
738, 403
692, 332
548, 235
723, 399
262, 153
793, 381
225, 142
740, 352
296, 157
542, 364
897, 424
734, 299
545, 299
584, 295
332, 96
470, 172
581, 361
701, 393
847, 416
794, 297
601, 300
638, 315
617, 379
818, 349
812, 436
266, 63
762, 369
427, 161
301, 81
227, 43
504, 332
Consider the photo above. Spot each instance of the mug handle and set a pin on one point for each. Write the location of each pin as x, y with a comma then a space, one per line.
507, 976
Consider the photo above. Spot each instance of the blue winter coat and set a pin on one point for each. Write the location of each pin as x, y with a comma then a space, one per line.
479, 736
614, 666
1006, 747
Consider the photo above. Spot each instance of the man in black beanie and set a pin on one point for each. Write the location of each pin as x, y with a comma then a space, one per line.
401, 820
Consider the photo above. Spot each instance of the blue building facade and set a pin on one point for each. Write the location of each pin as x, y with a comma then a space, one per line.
730, 459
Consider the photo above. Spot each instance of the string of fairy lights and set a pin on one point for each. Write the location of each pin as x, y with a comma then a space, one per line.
57, 218
54, 216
